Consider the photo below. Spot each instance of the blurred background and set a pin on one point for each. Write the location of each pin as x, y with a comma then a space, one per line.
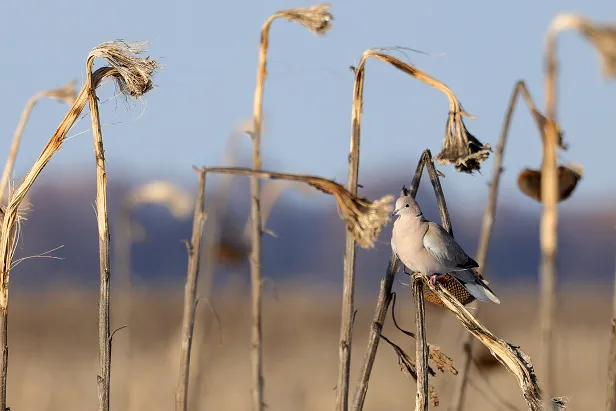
197, 116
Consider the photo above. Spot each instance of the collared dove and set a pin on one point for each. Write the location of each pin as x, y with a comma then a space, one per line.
427, 248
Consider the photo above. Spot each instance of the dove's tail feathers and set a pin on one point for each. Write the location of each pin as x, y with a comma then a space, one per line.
481, 292
476, 286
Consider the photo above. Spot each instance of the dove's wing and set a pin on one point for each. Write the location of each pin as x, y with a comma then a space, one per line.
444, 248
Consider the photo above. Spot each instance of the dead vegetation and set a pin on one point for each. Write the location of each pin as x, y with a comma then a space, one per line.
363, 219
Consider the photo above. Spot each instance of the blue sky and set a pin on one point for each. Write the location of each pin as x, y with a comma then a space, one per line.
209, 50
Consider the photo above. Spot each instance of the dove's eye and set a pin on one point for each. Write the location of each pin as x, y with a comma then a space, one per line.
407, 205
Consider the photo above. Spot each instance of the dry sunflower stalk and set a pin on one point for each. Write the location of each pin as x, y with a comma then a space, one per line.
65, 94
133, 78
601, 36
460, 147
127, 70
363, 218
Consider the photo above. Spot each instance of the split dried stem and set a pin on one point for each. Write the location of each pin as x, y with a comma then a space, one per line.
421, 345
190, 297
488, 223
65, 94
10, 217
515, 360
316, 19
104, 331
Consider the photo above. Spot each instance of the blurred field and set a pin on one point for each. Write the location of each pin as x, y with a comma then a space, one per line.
53, 351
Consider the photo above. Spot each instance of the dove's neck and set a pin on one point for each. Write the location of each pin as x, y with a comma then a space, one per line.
411, 220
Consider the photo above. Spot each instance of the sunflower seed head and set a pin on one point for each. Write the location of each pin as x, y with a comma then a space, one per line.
461, 148
134, 73
316, 18
603, 38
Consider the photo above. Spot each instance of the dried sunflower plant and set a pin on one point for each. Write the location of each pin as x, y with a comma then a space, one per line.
318, 20
364, 218
529, 184
603, 39
132, 75
65, 94
134, 80
460, 148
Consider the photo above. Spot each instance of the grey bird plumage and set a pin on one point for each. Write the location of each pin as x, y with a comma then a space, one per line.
425, 247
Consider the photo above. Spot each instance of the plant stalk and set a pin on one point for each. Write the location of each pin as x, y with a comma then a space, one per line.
104, 328
487, 226
190, 297
549, 221
421, 346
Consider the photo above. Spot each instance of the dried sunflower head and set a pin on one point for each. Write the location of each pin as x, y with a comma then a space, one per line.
529, 182
460, 147
603, 38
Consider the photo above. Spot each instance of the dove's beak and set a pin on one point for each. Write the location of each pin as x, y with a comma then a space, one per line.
395, 213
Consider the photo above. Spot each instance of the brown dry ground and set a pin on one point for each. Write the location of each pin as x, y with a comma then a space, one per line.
53, 351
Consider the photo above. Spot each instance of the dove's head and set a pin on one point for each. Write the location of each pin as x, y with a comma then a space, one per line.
406, 205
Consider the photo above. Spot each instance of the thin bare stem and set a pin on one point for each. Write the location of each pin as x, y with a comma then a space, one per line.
135, 80
488, 225
179, 204
65, 94
380, 312
611, 371
376, 328
190, 295
104, 330
421, 346
217, 210
549, 219
317, 19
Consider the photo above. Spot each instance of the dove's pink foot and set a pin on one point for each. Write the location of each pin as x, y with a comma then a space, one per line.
432, 280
